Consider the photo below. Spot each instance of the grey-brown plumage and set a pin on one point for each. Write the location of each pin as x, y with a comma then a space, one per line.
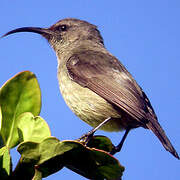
94, 84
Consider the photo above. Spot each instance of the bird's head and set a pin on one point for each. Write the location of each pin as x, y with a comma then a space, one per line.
65, 32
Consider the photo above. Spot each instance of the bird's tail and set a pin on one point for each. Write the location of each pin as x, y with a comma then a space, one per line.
156, 128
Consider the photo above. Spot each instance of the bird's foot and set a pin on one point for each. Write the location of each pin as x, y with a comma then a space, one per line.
119, 146
86, 137
115, 150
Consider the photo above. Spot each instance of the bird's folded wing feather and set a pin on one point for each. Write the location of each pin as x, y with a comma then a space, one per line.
107, 77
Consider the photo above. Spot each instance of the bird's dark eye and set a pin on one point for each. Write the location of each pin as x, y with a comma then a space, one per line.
62, 28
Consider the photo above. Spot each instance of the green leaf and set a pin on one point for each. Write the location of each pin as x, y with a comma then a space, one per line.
37, 153
30, 156
5, 163
93, 163
51, 155
32, 128
100, 142
109, 167
29, 152
49, 149
90, 163
18, 95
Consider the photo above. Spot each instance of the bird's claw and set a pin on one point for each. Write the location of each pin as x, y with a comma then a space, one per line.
86, 137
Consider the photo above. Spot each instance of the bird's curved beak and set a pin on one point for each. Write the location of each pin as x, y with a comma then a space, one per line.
43, 31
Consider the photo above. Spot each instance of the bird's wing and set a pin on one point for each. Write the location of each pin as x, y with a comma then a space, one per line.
106, 76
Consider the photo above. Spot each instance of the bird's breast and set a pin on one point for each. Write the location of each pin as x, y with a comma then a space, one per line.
86, 104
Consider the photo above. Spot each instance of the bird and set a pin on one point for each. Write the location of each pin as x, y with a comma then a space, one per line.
95, 84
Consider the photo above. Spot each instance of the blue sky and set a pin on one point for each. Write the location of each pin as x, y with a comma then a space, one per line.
144, 35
